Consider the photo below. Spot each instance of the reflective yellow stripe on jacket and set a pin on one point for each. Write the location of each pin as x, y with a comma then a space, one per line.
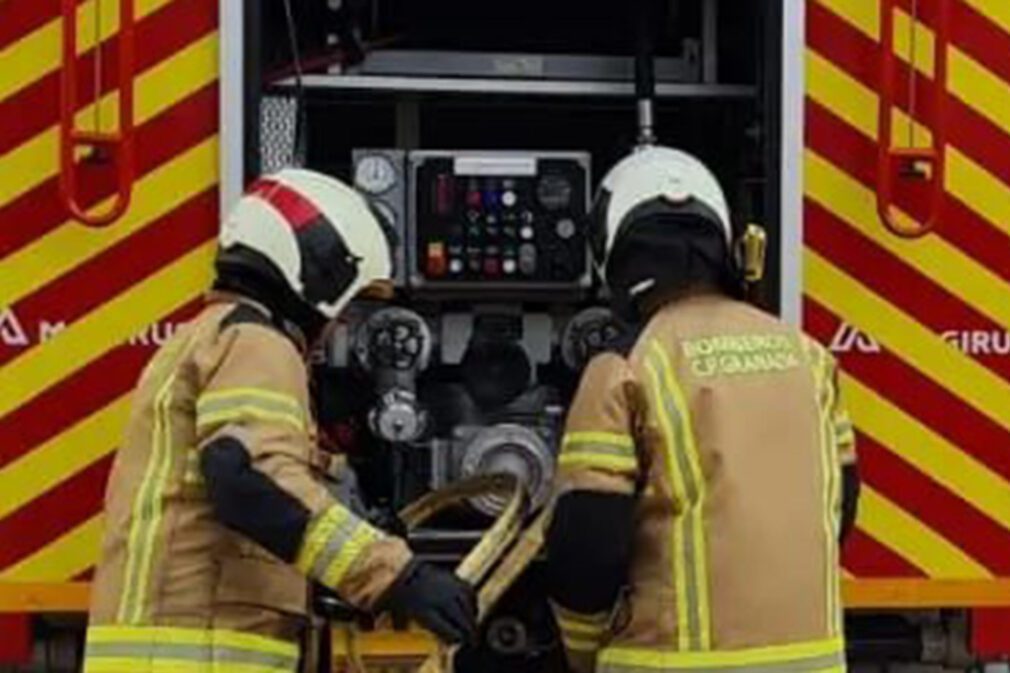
599, 450
147, 507
820, 363
237, 404
827, 656
151, 649
580, 632
334, 541
690, 571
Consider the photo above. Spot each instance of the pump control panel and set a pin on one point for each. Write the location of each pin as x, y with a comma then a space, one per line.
507, 221
498, 218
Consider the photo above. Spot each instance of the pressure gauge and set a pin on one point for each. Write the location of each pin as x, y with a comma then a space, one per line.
375, 174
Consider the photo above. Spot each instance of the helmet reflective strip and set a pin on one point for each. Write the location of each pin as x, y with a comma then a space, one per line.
328, 266
297, 210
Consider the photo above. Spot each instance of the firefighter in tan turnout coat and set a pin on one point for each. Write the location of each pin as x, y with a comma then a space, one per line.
215, 512
707, 471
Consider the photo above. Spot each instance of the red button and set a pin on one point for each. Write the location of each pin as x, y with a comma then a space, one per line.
473, 199
437, 263
492, 267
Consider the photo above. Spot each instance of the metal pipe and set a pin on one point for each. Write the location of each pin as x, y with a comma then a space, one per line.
645, 70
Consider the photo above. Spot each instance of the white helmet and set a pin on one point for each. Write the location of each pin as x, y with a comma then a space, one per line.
657, 173
652, 197
321, 237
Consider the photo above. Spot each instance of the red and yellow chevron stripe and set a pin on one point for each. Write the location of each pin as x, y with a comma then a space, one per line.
84, 308
921, 326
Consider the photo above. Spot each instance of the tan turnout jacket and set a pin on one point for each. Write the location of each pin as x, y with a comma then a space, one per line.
177, 591
728, 426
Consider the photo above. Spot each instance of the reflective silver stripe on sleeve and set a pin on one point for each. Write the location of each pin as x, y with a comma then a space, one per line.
168, 652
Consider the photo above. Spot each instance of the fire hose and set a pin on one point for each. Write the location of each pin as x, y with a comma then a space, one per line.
504, 551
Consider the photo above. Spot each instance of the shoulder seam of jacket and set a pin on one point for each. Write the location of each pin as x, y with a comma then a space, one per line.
244, 314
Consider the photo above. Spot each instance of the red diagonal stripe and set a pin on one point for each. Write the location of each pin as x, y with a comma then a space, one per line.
89, 285
854, 154
296, 210
78, 395
162, 139
918, 295
18, 18
974, 135
865, 557
54, 513
983, 40
858, 56
85, 576
917, 395
160, 35
943, 511
971, 31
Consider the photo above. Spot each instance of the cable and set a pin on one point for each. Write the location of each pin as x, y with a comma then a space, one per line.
301, 113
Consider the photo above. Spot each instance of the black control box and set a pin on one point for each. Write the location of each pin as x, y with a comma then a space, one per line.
505, 220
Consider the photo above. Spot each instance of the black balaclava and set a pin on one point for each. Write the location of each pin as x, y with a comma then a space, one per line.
247, 273
670, 250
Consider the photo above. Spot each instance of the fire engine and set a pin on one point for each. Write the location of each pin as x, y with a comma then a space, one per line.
869, 138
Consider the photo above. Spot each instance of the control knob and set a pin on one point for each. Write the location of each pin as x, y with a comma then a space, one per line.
398, 417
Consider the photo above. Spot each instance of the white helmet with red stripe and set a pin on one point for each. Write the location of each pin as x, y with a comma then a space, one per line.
320, 235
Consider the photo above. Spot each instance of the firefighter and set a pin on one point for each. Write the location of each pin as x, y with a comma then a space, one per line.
707, 470
215, 514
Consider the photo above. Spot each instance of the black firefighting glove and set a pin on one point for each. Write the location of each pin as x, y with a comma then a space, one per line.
438, 600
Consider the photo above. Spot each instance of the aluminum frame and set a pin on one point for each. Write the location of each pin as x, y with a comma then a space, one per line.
231, 102
514, 87
502, 65
793, 85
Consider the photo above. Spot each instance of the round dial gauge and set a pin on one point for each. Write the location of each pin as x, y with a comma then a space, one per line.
375, 174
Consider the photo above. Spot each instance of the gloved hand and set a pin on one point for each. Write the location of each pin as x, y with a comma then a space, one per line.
438, 600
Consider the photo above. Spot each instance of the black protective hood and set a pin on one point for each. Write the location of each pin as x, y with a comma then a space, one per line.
669, 249
247, 273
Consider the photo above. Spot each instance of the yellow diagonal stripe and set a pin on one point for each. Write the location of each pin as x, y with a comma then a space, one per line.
66, 454
63, 559
908, 537
856, 104
158, 89
857, 305
974, 185
958, 273
40, 52
996, 11
862, 14
841, 93
923, 38
976, 86
930, 453
64, 248
969, 80
84, 341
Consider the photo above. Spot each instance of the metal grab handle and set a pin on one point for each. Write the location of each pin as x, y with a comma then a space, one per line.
115, 146
919, 171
